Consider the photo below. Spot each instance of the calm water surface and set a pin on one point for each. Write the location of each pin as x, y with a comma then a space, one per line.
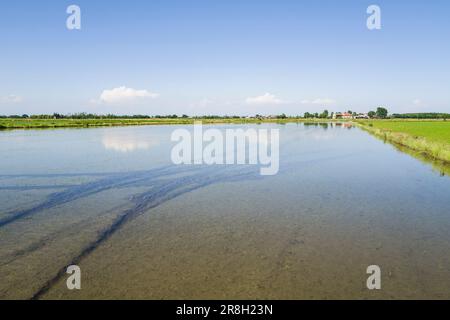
110, 201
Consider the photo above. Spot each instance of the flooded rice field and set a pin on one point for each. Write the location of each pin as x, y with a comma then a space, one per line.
111, 201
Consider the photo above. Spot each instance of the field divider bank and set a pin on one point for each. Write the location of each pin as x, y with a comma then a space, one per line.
435, 149
6, 123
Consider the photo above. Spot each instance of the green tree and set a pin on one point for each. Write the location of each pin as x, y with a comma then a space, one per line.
324, 114
371, 114
382, 112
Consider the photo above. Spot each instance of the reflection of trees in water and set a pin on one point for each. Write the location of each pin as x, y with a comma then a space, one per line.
437, 165
326, 125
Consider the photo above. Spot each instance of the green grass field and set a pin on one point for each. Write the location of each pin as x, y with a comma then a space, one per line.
429, 137
435, 131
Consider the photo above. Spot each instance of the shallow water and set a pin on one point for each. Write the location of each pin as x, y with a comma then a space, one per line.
110, 201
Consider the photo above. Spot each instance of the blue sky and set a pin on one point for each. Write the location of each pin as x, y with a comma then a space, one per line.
224, 57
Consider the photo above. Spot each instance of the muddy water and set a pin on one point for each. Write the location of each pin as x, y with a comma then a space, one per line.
110, 201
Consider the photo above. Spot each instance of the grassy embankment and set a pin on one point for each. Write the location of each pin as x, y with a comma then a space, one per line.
81, 123
6, 123
429, 137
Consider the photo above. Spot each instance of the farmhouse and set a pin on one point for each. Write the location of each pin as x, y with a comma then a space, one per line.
342, 115
362, 116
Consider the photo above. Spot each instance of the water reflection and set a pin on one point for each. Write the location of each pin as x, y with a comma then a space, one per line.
308, 131
128, 142
438, 166
326, 125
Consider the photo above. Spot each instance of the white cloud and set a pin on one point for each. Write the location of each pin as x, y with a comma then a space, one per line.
417, 102
11, 99
319, 101
124, 94
265, 99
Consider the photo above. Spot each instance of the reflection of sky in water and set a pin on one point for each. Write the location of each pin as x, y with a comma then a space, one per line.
127, 143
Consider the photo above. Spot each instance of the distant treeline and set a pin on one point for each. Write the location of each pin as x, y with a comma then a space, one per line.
87, 116
380, 113
113, 116
429, 115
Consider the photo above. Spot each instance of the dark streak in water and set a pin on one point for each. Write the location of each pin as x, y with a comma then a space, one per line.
56, 175
138, 178
164, 184
145, 202
84, 190
47, 239
26, 188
